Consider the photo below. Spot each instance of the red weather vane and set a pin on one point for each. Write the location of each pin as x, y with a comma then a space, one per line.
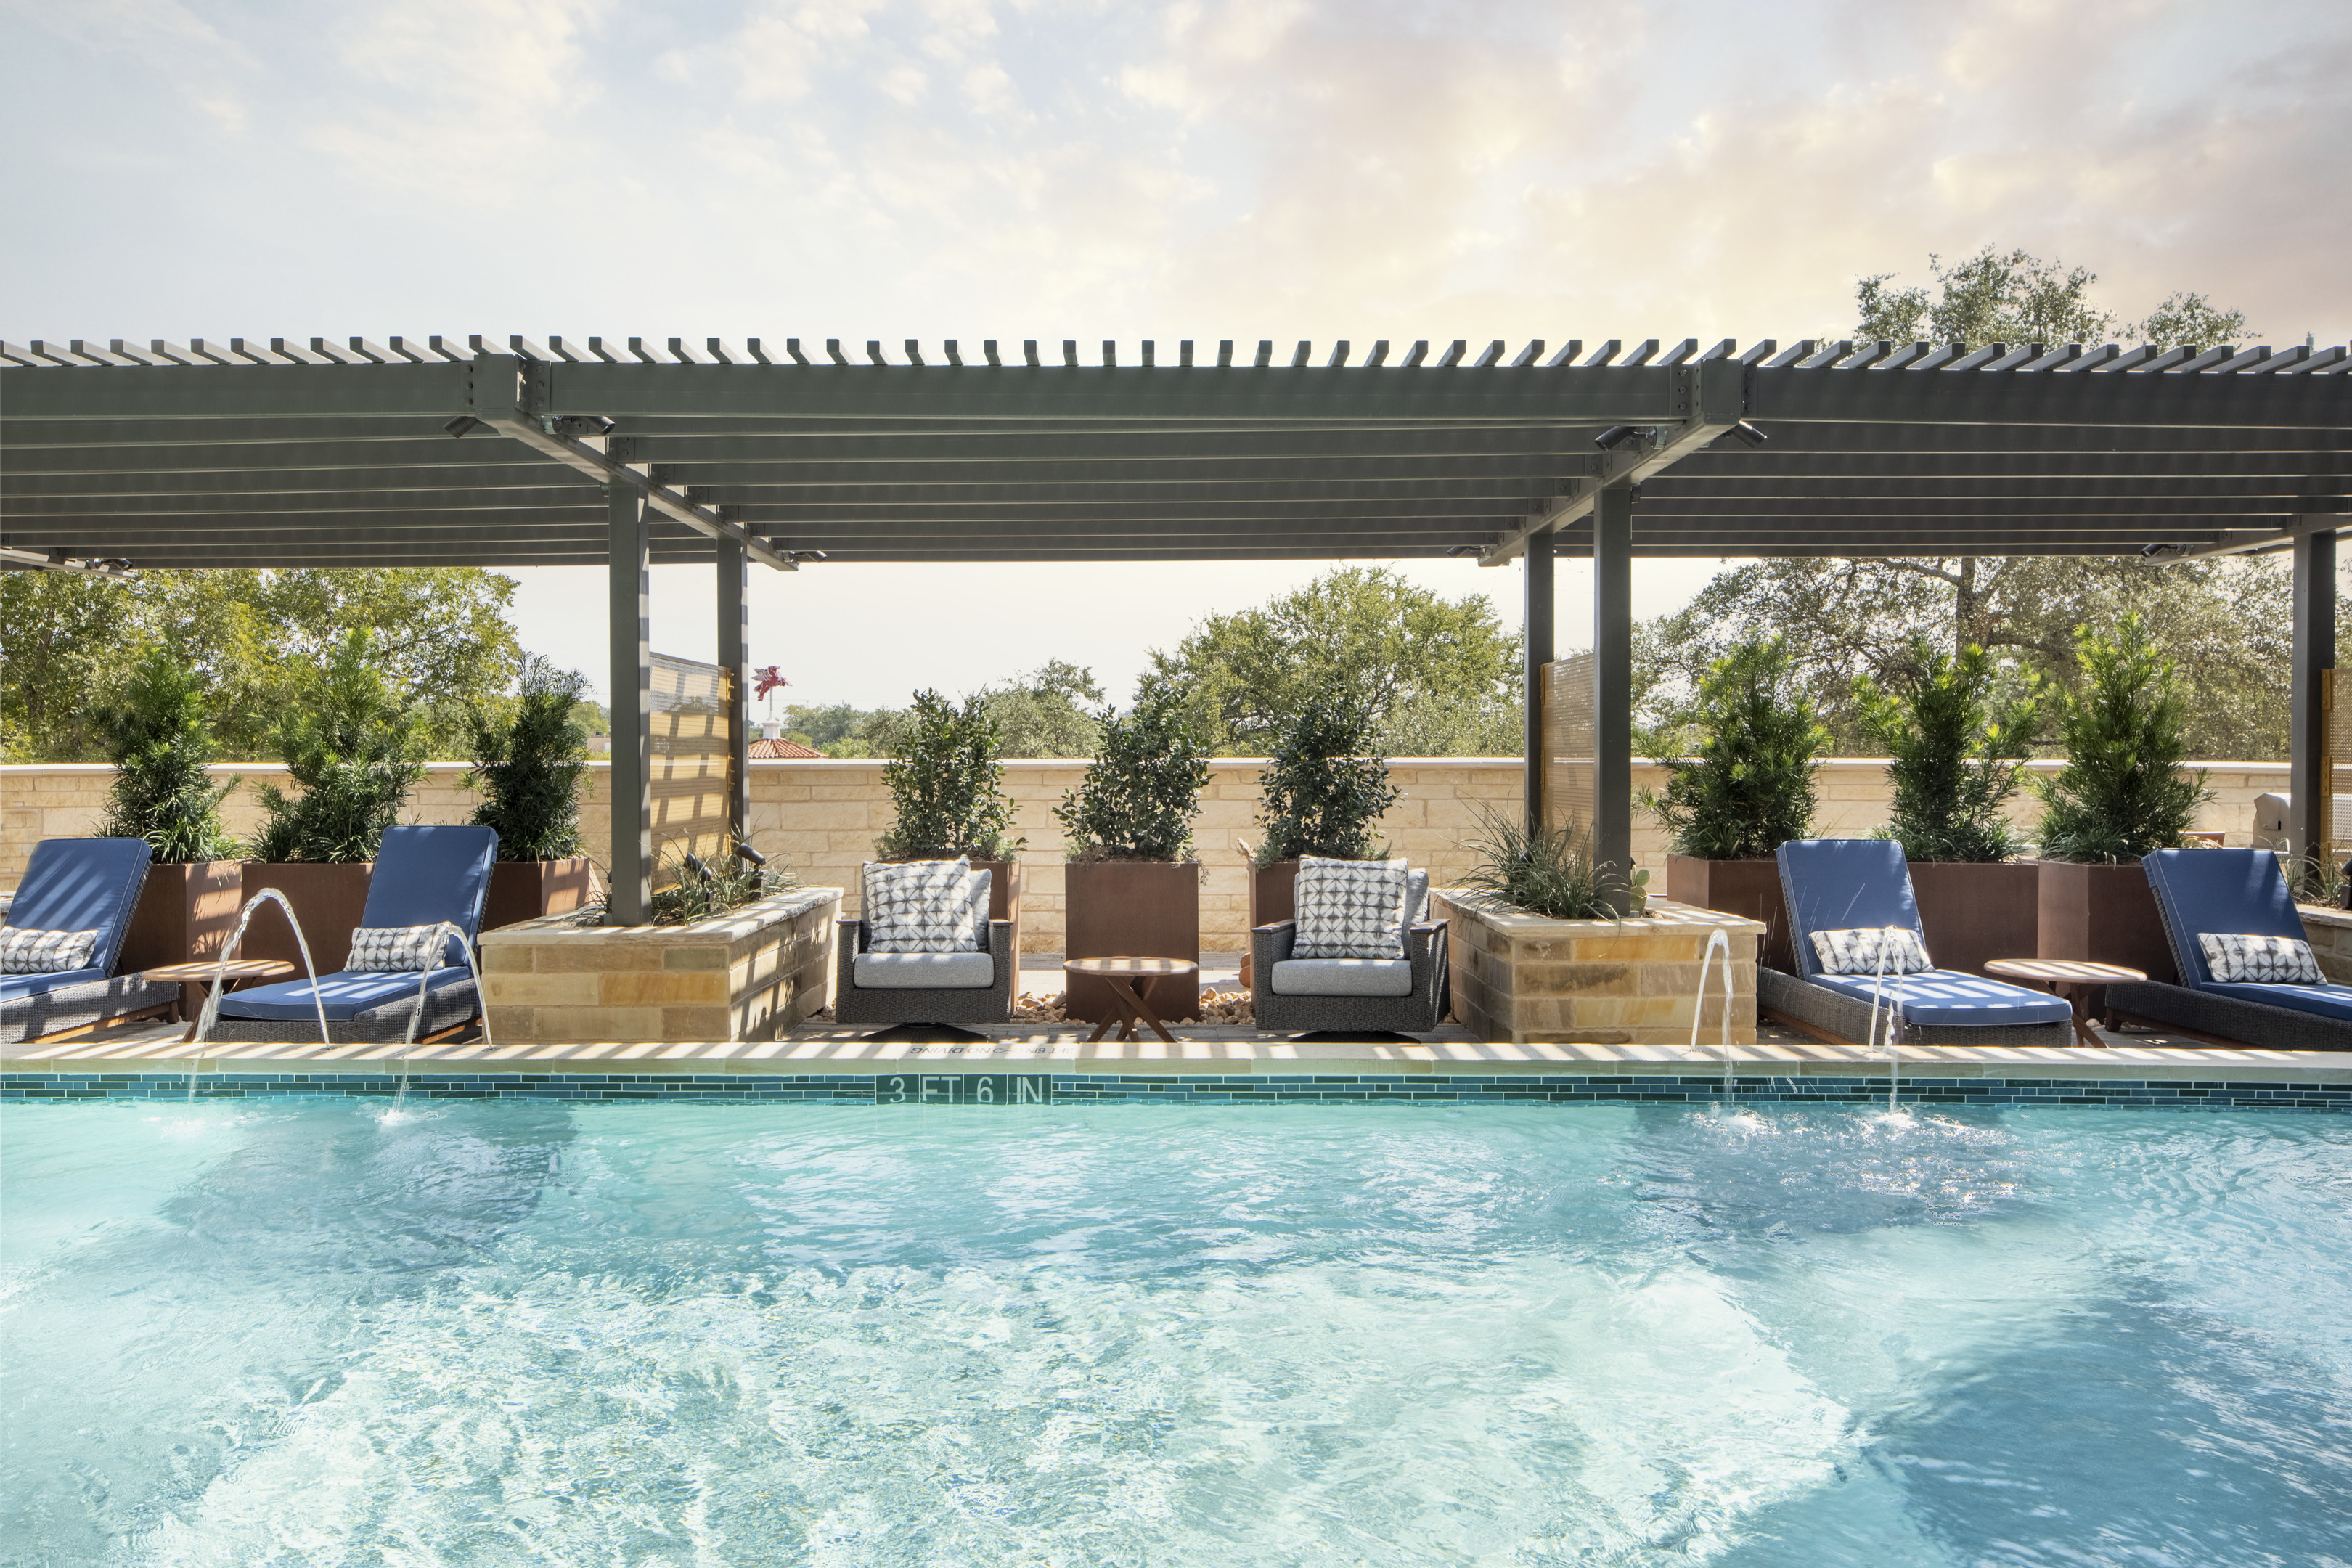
767, 677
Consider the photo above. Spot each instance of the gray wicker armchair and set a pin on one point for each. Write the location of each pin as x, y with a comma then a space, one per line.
945, 989
1315, 995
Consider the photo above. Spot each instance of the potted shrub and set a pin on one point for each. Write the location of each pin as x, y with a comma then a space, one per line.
1537, 954
1322, 794
159, 741
2121, 794
528, 770
1747, 791
354, 752
1132, 889
947, 789
1953, 760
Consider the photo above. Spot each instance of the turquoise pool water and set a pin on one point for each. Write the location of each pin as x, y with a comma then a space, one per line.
526, 1333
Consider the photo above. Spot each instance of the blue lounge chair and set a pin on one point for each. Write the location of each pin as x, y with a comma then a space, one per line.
1836, 884
76, 885
2239, 893
422, 875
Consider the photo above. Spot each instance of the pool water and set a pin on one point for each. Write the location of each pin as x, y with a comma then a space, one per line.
528, 1332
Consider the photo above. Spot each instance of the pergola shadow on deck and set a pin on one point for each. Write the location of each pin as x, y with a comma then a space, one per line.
435, 452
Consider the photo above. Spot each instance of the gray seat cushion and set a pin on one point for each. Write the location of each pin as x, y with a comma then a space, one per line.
924, 970
1342, 977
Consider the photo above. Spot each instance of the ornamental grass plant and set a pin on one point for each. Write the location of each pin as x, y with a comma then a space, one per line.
1954, 753
1549, 872
159, 740
1749, 787
2122, 793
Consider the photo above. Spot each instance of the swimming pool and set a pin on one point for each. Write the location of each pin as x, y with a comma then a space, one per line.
526, 1331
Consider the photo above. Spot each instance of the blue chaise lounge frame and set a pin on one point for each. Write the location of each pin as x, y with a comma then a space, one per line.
2238, 892
80, 884
1835, 884
422, 875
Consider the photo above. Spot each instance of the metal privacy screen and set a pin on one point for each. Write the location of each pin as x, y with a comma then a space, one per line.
689, 763
1567, 743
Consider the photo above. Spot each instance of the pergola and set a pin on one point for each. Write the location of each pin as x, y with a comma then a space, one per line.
438, 452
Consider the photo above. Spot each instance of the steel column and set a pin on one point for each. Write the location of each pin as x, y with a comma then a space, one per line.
735, 658
1612, 686
2314, 653
630, 691
1536, 636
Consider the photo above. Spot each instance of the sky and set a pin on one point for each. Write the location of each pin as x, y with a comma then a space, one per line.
1053, 169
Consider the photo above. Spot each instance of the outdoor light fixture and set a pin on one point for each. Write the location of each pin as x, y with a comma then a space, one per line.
2160, 551
745, 852
799, 555
1747, 434
1459, 550
463, 426
578, 426
1616, 435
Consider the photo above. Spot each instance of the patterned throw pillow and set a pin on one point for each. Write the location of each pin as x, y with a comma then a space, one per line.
920, 906
26, 952
2261, 960
1349, 909
1871, 949
396, 950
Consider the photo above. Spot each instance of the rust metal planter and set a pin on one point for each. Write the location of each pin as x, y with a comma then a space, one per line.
185, 913
1273, 896
1971, 914
1749, 889
1133, 909
526, 890
2104, 913
328, 898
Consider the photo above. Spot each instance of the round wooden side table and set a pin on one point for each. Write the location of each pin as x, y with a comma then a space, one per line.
195, 979
1130, 980
2072, 978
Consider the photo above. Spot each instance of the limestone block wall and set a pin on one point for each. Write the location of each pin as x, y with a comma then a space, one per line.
821, 818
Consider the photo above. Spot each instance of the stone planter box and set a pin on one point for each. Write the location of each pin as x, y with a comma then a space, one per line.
2330, 934
1531, 980
1749, 889
328, 898
1133, 909
526, 890
748, 975
1971, 914
186, 910
2104, 913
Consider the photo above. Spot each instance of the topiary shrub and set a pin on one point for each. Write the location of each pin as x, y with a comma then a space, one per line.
1749, 789
947, 784
159, 741
354, 751
2122, 793
1325, 787
1954, 760
529, 768
1142, 790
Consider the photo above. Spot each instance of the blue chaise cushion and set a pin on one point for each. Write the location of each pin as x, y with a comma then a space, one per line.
2235, 891
427, 874
83, 884
12, 986
1839, 884
345, 993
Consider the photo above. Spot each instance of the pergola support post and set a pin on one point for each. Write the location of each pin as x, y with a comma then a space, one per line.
1613, 690
1536, 639
734, 658
630, 691
2308, 783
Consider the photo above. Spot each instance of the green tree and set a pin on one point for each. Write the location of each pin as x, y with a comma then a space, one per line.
62, 637
948, 785
1749, 786
528, 765
1325, 785
1437, 677
159, 742
1955, 759
354, 748
1043, 713
2014, 297
2123, 791
1142, 790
